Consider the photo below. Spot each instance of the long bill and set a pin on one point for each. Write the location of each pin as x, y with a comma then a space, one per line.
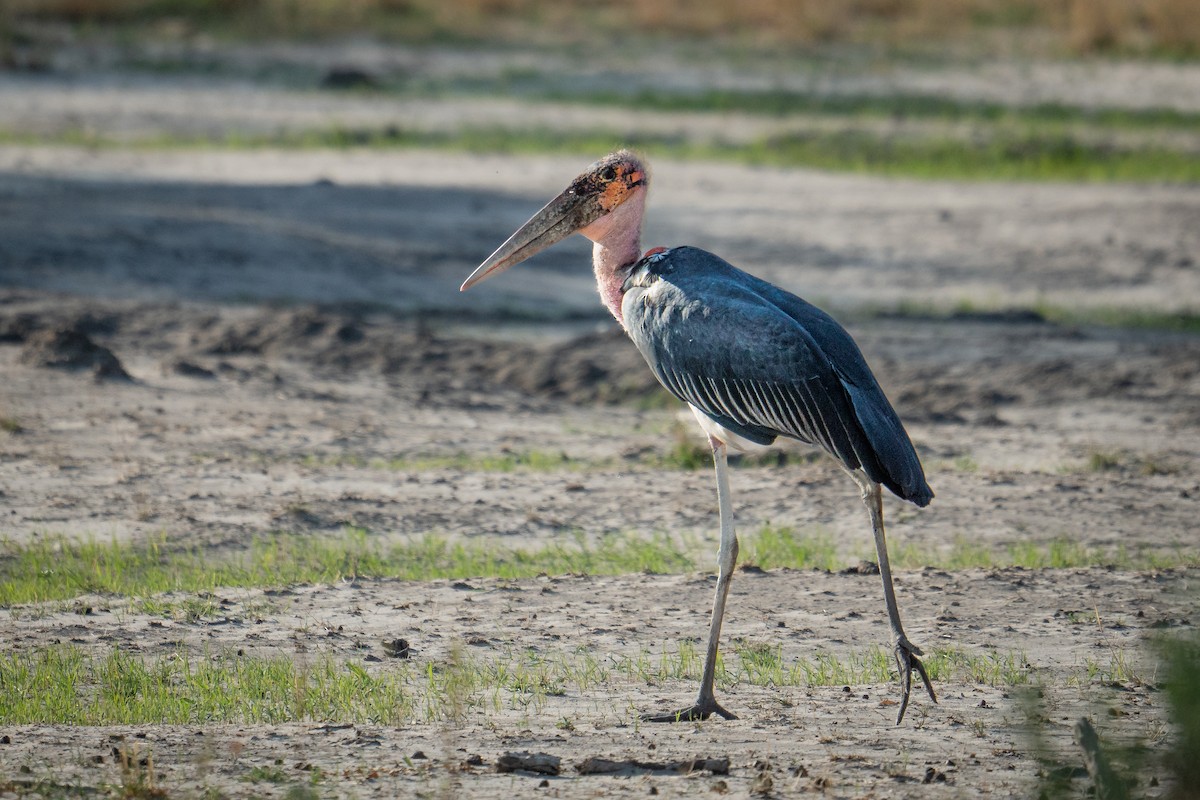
561, 217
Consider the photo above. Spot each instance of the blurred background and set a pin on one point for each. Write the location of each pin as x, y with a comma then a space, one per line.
375, 92
1094, 89
243, 202
1055, 27
232, 234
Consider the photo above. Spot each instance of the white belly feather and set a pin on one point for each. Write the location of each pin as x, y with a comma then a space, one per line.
717, 431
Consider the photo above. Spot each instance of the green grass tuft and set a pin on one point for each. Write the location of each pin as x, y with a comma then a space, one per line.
1000, 155
1061, 553
63, 684
55, 569
59, 569
772, 548
1117, 317
1103, 316
891, 106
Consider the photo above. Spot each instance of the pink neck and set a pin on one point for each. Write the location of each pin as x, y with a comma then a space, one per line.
617, 247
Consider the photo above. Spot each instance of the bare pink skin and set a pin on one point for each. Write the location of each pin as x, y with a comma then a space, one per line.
617, 247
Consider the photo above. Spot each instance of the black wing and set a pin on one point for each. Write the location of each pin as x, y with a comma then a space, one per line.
763, 363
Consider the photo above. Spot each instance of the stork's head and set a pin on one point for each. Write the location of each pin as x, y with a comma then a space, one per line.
587, 206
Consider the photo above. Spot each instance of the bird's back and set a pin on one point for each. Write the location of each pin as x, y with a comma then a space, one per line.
764, 363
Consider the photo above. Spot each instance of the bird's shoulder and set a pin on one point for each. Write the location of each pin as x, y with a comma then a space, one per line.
689, 292
681, 266
689, 274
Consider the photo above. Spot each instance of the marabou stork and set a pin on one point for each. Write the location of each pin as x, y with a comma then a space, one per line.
753, 362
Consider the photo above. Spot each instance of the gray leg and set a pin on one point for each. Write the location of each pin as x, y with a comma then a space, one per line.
706, 701
905, 651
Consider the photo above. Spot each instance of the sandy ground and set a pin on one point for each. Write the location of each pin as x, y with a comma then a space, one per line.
837, 740
287, 320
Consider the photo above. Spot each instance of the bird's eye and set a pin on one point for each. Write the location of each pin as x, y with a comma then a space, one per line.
609, 173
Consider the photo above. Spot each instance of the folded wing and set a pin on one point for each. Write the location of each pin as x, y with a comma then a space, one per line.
763, 363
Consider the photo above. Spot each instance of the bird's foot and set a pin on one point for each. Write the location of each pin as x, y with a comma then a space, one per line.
701, 710
906, 661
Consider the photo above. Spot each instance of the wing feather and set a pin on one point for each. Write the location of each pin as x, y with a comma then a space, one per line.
763, 363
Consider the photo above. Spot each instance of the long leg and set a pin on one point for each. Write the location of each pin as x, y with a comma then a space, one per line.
905, 651
706, 702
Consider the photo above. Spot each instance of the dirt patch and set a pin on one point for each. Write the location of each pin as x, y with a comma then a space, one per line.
72, 349
1069, 432
586, 369
1061, 364
584, 738
592, 368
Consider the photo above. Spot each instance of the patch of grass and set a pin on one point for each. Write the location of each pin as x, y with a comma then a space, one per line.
774, 547
656, 400
1117, 317
1062, 553
63, 684
1103, 461
11, 425
1011, 155
60, 569
891, 106
265, 774
827, 669
762, 664
1106, 317
966, 463
1119, 668
1106, 460
989, 667
686, 454
188, 609
1003, 155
